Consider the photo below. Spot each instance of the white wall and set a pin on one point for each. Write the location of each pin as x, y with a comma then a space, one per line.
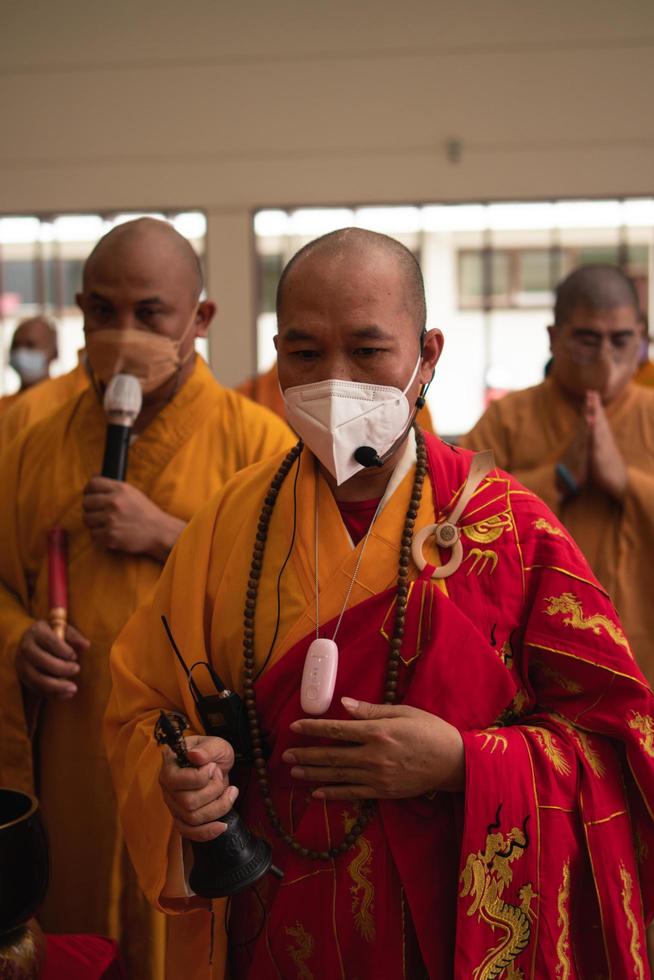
144, 104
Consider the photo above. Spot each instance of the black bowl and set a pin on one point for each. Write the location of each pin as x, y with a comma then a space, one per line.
24, 860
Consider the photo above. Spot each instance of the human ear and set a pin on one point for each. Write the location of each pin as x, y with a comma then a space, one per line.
432, 348
551, 330
203, 316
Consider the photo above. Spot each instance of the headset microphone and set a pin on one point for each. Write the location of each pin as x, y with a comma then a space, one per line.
367, 456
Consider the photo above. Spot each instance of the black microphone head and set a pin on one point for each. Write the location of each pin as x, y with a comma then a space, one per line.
367, 456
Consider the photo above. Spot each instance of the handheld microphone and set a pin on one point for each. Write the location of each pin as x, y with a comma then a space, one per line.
122, 403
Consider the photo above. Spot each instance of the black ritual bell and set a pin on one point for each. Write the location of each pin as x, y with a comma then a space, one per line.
229, 863
24, 860
234, 860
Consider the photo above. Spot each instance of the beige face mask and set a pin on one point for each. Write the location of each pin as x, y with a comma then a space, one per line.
150, 357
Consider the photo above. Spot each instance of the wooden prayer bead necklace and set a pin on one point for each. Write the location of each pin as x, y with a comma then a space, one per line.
392, 671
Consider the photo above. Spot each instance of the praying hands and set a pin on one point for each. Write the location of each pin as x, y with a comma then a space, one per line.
592, 455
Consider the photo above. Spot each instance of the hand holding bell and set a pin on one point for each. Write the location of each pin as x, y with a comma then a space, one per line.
235, 859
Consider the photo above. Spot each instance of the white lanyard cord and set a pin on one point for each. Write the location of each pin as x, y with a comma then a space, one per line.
356, 567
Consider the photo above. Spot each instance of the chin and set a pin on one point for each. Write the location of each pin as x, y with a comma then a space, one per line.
610, 394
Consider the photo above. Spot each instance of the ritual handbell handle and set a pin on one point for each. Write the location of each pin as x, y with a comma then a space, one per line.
237, 858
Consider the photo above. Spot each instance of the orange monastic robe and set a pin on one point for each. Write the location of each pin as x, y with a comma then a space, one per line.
8, 401
40, 401
645, 374
264, 390
195, 444
528, 431
492, 880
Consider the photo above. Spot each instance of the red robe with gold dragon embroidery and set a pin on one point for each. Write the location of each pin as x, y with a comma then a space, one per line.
543, 867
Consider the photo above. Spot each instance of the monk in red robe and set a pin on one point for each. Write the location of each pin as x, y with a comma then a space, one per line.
473, 798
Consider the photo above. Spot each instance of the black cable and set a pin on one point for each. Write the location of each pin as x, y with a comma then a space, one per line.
252, 939
281, 572
174, 645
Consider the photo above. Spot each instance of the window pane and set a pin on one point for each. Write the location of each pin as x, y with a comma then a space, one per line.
638, 258
597, 254
65, 281
271, 270
18, 278
535, 271
471, 275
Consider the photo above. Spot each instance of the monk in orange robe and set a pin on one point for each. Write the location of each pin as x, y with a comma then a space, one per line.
33, 349
583, 440
448, 809
42, 400
142, 310
645, 374
264, 390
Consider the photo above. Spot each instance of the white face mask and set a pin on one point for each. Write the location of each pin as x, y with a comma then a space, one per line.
335, 418
31, 365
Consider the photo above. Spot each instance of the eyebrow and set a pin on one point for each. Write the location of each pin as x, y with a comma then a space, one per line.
610, 333
152, 300
295, 333
372, 332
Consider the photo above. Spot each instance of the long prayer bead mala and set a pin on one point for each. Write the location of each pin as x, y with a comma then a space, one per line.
402, 592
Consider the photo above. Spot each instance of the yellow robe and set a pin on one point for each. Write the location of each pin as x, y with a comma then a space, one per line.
528, 431
40, 401
8, 401
264, 390
645, 374
201, 592
196, 443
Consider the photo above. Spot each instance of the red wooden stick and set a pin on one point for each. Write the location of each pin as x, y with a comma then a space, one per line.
57, 581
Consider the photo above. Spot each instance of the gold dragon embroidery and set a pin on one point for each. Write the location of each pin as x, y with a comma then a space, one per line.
570, 605
563, 942
640, 847
551, 748
493, 739
634, 945
519, 703
572, 687
302, 952
506, 654
482, 559
362, 889
583, 741
489, 530
485, 877
644, 725
542, 525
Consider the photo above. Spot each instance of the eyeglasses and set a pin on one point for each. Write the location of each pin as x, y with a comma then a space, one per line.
585, 345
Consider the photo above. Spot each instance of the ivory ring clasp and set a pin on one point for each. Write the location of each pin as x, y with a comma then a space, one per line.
447, 536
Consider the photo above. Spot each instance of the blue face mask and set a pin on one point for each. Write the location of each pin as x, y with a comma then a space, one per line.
31, 365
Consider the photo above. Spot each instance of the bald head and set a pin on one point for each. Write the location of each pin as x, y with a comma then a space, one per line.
350, 246
36, 333
594, 288
33, 348
597, 333
147, 242
143, 278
